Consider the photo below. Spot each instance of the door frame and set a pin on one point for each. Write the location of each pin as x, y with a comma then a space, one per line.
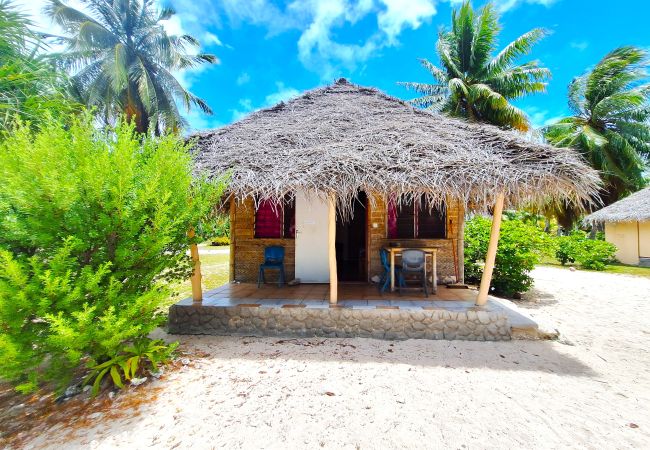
367, 241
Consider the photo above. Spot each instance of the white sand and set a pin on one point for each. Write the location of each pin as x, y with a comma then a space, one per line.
255, 393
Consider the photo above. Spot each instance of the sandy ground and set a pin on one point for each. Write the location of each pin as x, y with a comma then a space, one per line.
590, 390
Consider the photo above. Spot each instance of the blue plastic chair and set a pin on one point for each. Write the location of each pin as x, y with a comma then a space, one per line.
273, 259
384, 282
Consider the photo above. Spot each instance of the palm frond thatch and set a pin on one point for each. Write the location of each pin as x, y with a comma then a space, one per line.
344, 138
634, 208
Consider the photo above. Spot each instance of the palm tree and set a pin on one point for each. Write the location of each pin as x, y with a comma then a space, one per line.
472, 83
30, 88
610, 123
123, 60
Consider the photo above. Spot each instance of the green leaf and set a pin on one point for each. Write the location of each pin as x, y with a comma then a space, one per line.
117, 379
98, 381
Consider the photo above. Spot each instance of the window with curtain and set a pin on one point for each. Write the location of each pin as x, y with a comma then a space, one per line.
416, 221
274, 220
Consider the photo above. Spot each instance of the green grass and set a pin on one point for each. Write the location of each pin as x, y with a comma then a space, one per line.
610, 268
214, 269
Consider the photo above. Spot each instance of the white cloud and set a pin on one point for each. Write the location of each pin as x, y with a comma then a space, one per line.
283, 94
243, 78
579, 45
541, 117
245, 107
317, 49
211, 39
400, 14
506, 5
197, 120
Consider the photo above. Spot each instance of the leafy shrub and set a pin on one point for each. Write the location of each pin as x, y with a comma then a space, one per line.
222, 226
564, 249
591, 254
133, 360
221, 240
93, 230
521, 246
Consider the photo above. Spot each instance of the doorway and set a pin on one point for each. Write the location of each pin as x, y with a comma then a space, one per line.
351, 238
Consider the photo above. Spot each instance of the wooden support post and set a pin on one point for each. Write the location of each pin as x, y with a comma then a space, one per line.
197, 292
460, 253
331, 238
491, 253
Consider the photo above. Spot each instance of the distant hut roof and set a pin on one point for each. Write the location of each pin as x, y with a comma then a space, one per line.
634, 208
345, 138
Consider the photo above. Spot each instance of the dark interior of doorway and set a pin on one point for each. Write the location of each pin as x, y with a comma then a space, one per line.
351, 254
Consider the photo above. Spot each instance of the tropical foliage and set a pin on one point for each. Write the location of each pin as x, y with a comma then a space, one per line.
30, 88
591, 254
474, 84
610, 123
521, 247
132, 363
123, 61
93, 232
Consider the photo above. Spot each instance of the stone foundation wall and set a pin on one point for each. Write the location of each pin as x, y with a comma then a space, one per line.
476, 324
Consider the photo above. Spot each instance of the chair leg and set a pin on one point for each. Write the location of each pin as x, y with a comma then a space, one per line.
281, 282
260, 275
399, 285
383, 283
424, 284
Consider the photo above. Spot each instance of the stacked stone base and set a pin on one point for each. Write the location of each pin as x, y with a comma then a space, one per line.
474, 324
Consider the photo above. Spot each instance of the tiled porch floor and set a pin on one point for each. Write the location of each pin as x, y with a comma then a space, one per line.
317, 296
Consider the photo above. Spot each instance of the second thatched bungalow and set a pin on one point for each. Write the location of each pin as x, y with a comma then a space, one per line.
343, 171
627, 225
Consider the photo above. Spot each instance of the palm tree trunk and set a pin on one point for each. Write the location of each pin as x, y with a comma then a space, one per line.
134, 111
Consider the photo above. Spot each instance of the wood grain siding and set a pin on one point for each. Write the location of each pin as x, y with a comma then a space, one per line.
248, 251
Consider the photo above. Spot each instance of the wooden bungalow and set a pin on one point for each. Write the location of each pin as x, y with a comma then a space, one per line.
342, 171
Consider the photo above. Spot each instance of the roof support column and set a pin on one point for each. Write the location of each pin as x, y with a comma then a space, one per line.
195, 279
331, 246
484, 289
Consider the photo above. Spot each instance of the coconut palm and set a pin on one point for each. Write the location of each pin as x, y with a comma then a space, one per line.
30, 88
609, 126
123, 61
474, 84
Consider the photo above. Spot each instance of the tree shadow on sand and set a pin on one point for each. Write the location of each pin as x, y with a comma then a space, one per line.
534, 356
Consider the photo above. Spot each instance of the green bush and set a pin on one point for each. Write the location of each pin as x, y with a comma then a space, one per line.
221, 240
133, 360
93, 230
222, 226
564, 249
521, 246
577, 247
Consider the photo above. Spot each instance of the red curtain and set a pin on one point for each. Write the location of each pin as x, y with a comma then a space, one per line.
268, 220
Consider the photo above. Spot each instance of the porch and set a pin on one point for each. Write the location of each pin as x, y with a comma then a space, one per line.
361, 311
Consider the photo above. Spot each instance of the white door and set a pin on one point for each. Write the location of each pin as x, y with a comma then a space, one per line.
312, 263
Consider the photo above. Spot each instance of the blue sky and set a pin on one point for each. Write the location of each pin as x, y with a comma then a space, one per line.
270, 51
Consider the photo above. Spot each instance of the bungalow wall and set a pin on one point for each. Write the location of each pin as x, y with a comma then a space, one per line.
247, 251
632, 240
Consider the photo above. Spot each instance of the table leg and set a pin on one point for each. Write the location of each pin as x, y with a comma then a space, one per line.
435, 273
392, 271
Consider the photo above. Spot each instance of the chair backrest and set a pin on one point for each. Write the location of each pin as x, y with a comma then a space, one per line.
413, 259
274, 254
383, 255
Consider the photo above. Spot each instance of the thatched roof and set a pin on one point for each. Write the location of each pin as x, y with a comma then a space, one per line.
634, 208
345, 138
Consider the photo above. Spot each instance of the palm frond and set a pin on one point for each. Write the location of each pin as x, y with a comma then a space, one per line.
516, 49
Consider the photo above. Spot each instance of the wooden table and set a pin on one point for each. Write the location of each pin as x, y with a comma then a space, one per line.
427, 251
